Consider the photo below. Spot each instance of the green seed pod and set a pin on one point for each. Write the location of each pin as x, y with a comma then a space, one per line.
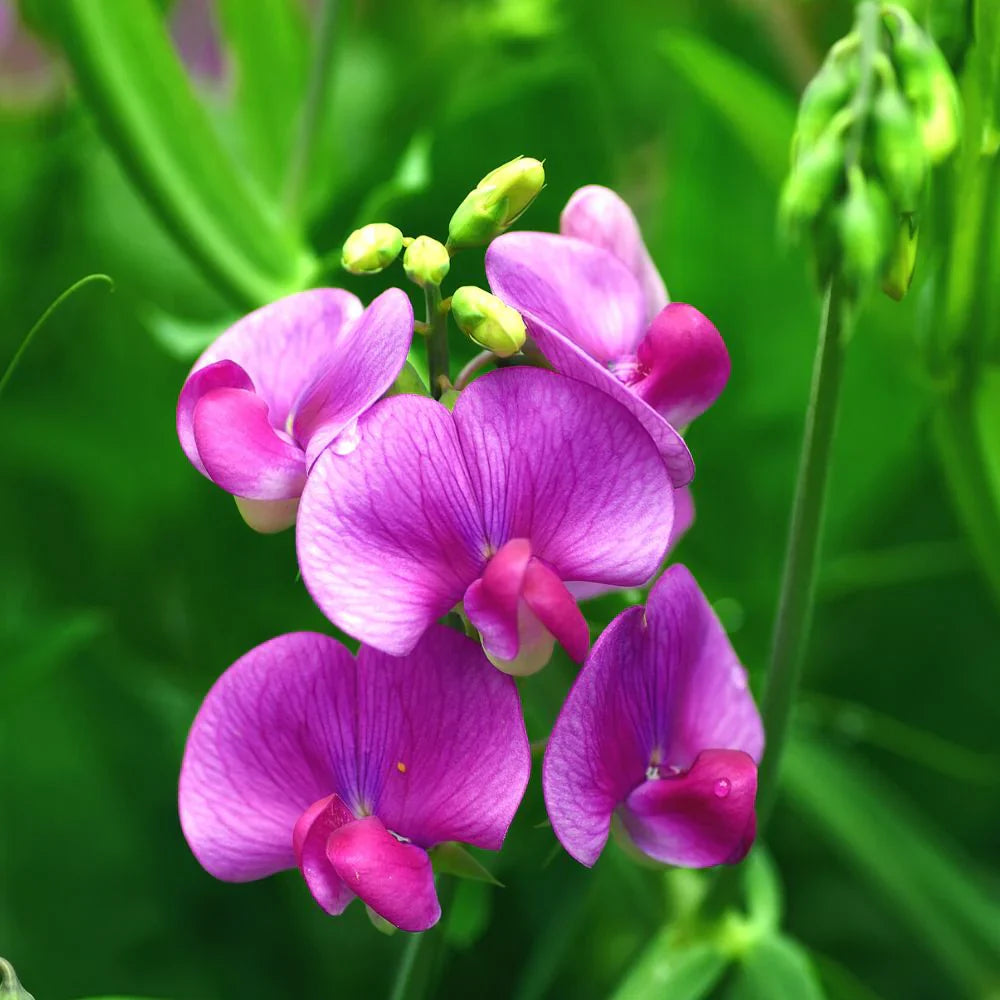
898, 274
813, 178
864, 224
899, 149
492, 324
371, 248
426, 261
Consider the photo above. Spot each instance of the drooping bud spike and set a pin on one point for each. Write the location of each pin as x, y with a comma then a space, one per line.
864, 222
814, 177
498, 200
426, 261
828, 92
899, 149
371, 248
492, 324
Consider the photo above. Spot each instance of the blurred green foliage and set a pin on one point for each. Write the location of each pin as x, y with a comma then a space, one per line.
129, 582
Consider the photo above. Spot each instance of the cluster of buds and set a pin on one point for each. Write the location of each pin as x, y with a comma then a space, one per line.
882, 110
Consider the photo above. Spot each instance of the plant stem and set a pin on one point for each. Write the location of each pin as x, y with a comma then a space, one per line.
437, 341
423, 954
798, 585
477, 364
406, 964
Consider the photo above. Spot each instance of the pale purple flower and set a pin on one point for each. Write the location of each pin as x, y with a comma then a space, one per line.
351, 769
661, 733
284, 383
533, 480
594, 306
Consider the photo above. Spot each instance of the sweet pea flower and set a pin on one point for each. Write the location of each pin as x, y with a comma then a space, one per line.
352, 768
533, 480
281, 385
660, 733
597, 310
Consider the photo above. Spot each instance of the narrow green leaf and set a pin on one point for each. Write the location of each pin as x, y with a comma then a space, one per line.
762, 117
181, 339
133, 80
454, 859
776, 966
894, 848
678, 971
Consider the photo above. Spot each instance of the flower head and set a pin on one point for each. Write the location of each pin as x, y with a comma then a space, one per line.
533, 480
659, 731
588, 299
351, 769
284, 383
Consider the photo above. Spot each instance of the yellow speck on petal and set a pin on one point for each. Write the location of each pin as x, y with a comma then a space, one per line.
401, 767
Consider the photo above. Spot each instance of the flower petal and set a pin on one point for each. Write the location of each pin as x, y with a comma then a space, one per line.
358, 367
444, 741
599, 216
555, 608
556, 338
220, 375
492, 601
272, 737
687, 364
309, 838
389, 536
395, 879
283, 345
240, 449
696, 819
561, 464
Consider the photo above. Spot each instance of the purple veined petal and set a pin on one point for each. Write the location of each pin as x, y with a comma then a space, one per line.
358, 368
394, 878
218, 375
390, 536
697, 819
685, 362
446, 753
282, 346
547, 597
599, 216
582, 291
309, 839
269, 740
556, 462
661, 685
240, 449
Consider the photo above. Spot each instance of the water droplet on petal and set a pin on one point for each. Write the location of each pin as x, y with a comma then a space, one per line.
722, 787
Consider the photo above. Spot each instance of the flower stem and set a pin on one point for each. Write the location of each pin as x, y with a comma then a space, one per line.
401, 985
476, 365
437, 341
798, 586
423, 954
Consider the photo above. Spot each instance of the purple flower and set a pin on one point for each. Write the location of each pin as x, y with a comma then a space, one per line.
588, 303
533, 480
660, 732
281, 385
351, 769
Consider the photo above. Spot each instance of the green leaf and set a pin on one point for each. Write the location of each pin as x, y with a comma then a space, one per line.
776, 966
894, 848
669, 969
762, 117
454, 859
134, 82
183, 339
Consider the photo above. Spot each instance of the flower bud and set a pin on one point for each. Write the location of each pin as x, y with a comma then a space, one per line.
497, 201
371, 248
899, 149
426, 261
864, 223
492, 324
813, 177
898, 272
827, 92
10, 987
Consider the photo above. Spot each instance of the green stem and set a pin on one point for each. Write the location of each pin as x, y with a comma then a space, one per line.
317, 96
407, 962
437, 341
423, 954
798, 586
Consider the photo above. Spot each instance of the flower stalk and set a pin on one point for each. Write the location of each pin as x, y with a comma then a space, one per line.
437, 341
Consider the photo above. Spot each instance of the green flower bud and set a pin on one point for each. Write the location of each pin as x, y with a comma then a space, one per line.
898, 273
498, 200
371, 248
813, 178
864, 224
10, 987
492, 324
827, 92
899, 149
426, 261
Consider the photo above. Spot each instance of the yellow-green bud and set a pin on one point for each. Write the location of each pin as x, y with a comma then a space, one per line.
492, 324
827, 92
498, 200
814, 177
898, 272
371, 248
426, 261
864, 224
899, 149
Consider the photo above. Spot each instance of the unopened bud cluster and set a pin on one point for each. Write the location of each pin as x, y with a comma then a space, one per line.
881, 111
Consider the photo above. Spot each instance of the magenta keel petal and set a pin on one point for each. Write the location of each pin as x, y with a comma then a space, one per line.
309, 838
220, 375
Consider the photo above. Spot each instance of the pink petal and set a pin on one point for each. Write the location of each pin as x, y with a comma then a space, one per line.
395, 879
309, 838
686, 362
683, 516
555, 608
390, 535
492, 601
699, 818
597, 215
241, 451
220, 375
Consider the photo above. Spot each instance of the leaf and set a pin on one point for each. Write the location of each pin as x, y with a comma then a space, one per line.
669, 969
453, 859
183, 339
776, 966
411, 177
894, 848
760, 115
135, 84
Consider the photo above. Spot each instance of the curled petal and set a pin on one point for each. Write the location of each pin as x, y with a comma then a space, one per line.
309, 839
599, 216
546, 595
219, 375
492, 601
240, 449
697, 819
